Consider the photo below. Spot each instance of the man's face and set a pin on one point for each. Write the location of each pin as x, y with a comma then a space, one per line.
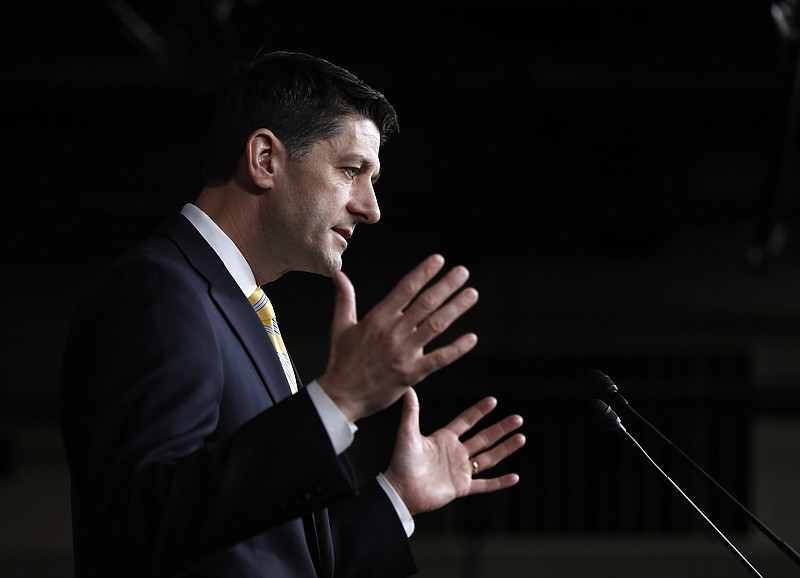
322, 197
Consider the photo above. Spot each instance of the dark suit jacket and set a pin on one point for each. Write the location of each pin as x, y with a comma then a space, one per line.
188, 455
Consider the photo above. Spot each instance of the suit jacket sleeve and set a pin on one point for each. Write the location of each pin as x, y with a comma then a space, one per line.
169, 466
369, 539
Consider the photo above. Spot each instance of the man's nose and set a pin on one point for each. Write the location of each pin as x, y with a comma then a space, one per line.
365, 205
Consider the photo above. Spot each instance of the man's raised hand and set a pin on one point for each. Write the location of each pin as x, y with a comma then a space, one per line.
374, 361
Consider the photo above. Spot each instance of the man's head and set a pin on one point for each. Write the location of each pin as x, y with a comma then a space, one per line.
293, 156
302, 99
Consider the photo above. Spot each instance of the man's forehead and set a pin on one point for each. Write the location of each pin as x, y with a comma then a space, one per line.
362, 130
357, 139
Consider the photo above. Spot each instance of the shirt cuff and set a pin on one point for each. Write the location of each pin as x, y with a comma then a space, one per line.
400, 507
342, 433
340, 430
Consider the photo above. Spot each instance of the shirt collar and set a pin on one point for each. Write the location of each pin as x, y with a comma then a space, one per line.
226, 249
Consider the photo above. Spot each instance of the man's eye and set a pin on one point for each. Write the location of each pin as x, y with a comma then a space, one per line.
351, 171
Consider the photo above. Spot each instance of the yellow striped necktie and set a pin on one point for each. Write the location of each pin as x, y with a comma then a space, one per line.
266, 313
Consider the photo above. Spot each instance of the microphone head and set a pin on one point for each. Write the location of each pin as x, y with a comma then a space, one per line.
600, 383
605, 416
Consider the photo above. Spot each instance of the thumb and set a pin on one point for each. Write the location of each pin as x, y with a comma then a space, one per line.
409, 418
344, 306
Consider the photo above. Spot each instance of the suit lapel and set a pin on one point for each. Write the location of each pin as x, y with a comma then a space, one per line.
234, 306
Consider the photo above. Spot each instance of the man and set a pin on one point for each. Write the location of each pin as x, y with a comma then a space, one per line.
194, 449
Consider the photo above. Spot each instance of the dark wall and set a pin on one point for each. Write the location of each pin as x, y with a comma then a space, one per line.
620, 177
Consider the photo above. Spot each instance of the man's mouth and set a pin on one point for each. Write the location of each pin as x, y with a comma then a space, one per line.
345, 233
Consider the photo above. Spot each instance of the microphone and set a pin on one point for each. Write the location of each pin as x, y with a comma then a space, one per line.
605, 416
604, 387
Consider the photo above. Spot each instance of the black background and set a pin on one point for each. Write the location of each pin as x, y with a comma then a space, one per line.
620, 177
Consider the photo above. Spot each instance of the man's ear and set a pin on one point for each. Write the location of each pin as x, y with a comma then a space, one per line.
260, 157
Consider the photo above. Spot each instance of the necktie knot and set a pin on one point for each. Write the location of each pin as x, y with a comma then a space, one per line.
263, 306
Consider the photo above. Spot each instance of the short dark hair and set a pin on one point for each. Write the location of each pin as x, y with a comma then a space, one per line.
303, 99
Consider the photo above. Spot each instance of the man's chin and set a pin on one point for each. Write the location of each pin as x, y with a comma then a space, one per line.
328, 267
337, 266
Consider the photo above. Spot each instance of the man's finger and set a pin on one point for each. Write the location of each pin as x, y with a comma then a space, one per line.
409, 286
409, 419
484, 486
344, 307
467, 419
429, 301
501, 451
489, 436
439, 321
444, 356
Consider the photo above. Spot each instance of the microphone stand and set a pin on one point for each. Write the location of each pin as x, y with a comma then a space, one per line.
605, 415
606, 387
786, 548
